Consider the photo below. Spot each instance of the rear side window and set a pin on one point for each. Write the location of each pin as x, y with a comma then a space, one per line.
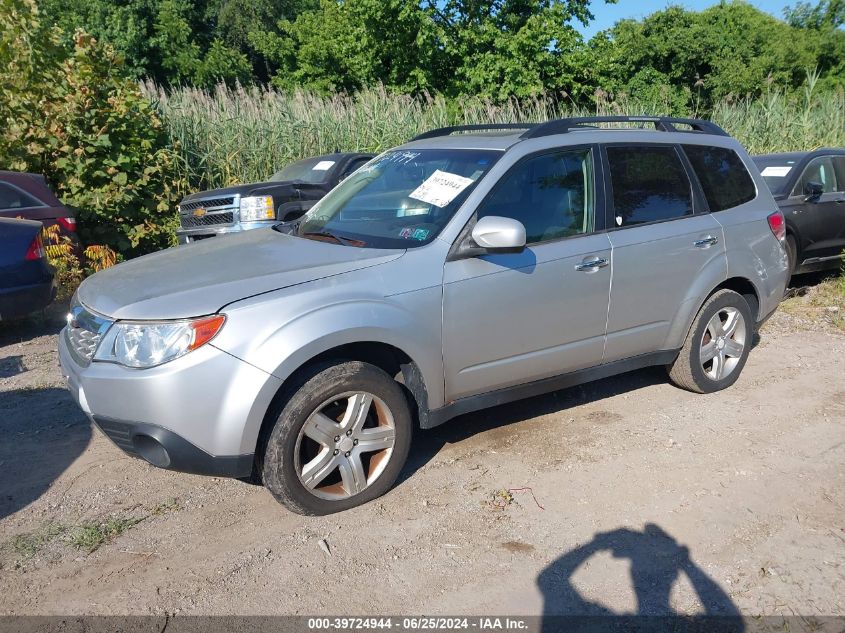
14, 198
649, 184
723, 176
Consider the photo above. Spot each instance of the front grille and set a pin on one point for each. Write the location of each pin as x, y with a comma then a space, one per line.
84, 331
192, 222
117, 432
209, 203
83, 343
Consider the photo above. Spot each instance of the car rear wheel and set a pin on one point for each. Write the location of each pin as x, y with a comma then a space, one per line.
717, 346
340, 440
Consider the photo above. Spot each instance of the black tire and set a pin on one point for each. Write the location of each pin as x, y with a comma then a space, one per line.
792, 256
689, 371
309, 394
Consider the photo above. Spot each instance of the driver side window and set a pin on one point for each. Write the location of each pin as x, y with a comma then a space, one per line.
551, 194
819, 170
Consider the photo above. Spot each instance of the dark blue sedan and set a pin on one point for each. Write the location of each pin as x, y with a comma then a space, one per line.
27, 281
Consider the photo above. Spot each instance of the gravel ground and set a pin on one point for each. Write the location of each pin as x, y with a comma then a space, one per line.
627, 496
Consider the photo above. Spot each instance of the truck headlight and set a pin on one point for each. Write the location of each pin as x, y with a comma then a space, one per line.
255, 208
143, 344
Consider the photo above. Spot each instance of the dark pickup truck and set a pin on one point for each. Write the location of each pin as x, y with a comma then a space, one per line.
284, 197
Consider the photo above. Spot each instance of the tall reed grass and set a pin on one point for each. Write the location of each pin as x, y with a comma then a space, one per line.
229, 136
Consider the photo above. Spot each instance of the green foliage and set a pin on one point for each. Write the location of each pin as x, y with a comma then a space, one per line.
730, 50
70, 115
90, 536
231, 136
827, 14
488, 48
198, 42
29, 544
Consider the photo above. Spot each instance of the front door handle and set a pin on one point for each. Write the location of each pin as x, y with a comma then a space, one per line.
591, 264
706, 242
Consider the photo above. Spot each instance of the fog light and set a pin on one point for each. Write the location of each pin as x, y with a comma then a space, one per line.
151, 450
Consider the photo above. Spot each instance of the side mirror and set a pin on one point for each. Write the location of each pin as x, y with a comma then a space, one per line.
497, 234
813, 190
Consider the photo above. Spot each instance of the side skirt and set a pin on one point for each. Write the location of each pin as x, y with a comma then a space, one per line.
546, 385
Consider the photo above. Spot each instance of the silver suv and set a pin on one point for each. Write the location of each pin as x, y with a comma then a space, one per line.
470, 267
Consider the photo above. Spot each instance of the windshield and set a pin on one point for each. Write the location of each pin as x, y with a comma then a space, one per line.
312, 170
775, 171
401, 199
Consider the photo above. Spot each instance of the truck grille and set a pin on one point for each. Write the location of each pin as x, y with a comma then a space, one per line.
210, 203
192, 222
83, 332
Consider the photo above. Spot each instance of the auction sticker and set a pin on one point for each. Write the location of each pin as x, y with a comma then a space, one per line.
776, 171
323, 165
440, 188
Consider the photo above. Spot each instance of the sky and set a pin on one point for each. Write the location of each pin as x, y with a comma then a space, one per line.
608, 14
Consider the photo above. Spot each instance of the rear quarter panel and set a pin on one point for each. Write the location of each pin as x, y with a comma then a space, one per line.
752, 250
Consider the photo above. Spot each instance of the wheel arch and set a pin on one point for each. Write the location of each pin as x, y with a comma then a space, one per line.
691, 307
393, 360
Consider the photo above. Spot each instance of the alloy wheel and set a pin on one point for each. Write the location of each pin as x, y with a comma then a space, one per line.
723, 343
345, 445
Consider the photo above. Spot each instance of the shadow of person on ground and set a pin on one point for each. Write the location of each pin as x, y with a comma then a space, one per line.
43, 432
656, 562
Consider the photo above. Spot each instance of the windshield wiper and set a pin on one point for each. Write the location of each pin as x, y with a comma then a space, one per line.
345, 241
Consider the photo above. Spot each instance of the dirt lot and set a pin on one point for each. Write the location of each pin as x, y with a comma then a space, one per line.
626, 495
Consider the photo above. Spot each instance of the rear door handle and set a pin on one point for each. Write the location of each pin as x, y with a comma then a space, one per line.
706, 242
591, 264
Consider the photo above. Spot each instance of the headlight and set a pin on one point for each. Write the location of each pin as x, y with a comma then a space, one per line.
255, 208
142, 344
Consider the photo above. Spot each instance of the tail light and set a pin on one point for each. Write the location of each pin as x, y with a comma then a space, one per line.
35, 250
68, 224
778, 225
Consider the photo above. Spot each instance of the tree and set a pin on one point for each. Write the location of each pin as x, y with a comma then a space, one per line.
728, 50
70, 113
505, 48
827, 14
494, 48
343, 46
169, 41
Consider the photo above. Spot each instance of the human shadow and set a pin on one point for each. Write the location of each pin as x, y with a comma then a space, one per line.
43, 432
656, 562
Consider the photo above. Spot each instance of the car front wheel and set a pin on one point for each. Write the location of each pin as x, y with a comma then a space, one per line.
717, 345
340, 440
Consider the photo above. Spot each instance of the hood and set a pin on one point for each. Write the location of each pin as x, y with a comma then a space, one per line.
201, 278
254, 188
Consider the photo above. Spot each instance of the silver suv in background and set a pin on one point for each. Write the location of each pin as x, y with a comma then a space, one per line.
470, 267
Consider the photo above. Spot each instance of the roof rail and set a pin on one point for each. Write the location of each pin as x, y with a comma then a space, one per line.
662, 124
446, 131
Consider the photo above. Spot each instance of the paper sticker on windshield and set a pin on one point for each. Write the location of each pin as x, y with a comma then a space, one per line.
420, 234
323, 165
440, 188
776, 171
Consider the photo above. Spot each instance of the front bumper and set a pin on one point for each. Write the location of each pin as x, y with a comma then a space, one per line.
200, 413
166, 449
186, 236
